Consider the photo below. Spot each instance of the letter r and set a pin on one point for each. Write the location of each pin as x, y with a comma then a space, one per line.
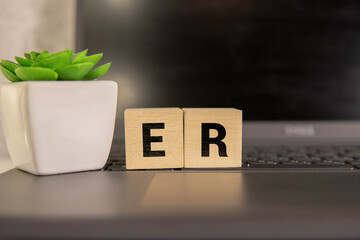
206, 140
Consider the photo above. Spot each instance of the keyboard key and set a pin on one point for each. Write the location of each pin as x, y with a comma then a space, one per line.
332, 164
352, 162
297, 164
356, 165
267, 164
295, 155
326, 154
268, 155
290, 162
328, 161
341, 159
308, 159
246, 159
353, 154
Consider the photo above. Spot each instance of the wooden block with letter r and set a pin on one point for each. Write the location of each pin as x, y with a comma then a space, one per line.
154, 138
212, 137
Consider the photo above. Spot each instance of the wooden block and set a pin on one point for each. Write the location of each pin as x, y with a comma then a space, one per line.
212, 137
154, 138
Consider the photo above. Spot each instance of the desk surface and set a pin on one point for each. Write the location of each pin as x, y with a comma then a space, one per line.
181, 204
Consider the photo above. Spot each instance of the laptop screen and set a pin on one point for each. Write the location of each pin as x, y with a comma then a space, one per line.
275, 60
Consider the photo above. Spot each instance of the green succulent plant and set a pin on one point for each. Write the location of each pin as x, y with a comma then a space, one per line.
65, 65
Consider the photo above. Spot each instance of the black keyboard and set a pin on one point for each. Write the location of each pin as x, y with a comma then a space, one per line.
116, 161
324, 157
301, 157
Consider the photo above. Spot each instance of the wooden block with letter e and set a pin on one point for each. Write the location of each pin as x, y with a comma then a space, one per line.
212, 137
154, 138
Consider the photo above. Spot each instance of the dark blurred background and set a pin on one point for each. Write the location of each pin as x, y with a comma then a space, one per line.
274, 59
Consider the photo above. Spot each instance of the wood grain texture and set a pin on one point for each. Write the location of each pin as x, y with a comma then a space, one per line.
230, 119
172, 138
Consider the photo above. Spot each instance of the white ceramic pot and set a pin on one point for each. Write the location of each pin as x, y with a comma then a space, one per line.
53, 127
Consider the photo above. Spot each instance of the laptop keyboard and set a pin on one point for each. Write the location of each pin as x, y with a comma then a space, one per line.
317, 157
302, 157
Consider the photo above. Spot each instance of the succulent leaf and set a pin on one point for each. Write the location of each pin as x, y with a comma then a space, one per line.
11, 66
8, 74
93, 59
36, 73
70, 51
78, 56
34, 55
42, 56
75, 71
27, 56
97, 72
24, 62
54, 61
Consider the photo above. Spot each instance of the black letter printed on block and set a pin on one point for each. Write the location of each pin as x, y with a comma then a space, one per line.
206, 140
148, 139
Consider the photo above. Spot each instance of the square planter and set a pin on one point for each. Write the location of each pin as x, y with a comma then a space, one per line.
53, 127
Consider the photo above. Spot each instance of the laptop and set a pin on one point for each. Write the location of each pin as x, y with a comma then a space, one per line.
291, 66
